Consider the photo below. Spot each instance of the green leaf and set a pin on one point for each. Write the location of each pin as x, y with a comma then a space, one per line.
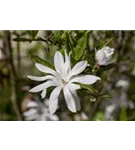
105, 43
37, 59
99, 116
79, 50
106, 96
65, 33
62, 51
109, 41
81, 47
58, 36
90, 57
69, 45
21, 40
89, 88
108, 67
33, 33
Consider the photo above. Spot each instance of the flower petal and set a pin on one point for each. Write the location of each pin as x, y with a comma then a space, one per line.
85, 79
30, 112
108, 51
43, 94
40, 78
73, 87
78, 68
42, 86
53, 101
100, 57
69, 99
59, 62
45, 69
32, 104
104, 55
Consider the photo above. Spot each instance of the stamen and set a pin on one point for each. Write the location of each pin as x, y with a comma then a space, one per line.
63, 83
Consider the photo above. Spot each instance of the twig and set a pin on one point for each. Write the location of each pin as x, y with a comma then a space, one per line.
18, 58
13, 75
94, 109
19, 34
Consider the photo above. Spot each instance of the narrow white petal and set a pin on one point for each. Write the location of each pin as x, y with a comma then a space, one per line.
40, 78
32, 104
42, 86
43, 94
38, 88
78, 68
53, 106
73, 87
70, 101
85, 79
59, 62
30, 112
45, 69
53, 101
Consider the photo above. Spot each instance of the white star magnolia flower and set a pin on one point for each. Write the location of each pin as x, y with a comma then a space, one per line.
38, 111
63, 78
104, 55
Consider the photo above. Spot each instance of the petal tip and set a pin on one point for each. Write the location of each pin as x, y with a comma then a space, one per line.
42, 96
38, 64
99, 78
57, 52
74, 111
28, 76
30, 90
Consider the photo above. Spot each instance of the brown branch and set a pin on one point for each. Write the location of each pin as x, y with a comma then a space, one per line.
13, 75
18, 58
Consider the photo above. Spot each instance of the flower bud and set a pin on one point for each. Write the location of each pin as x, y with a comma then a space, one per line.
104, 55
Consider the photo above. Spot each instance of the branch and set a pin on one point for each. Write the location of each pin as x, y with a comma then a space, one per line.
29, 40
19, 34
13, 75
18, 58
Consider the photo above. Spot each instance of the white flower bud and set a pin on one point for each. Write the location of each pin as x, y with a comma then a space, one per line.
104, 55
